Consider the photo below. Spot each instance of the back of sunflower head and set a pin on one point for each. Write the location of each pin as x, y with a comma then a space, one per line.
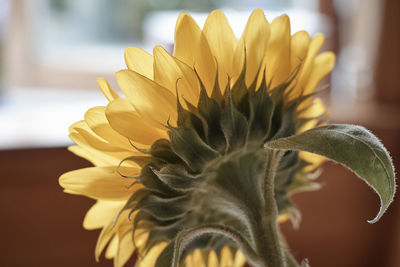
195, 166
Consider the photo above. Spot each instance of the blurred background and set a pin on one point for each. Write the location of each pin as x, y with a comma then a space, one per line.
52, 51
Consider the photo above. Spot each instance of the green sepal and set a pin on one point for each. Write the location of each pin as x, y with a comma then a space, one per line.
177, 178
164, 209
210, 111
152, 182
234, 126
261, 112
187, 144
188, 119
161, 150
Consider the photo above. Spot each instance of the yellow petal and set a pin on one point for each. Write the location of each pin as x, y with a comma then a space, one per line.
240, 259
255, 37
99, 183
81, 152
139, 61
226, 258
151, 257
212, 259
97, 157
315, 110
298, 48
314, 160
313, 49
140, 238
125, 247
278, 51
126, 121
109, 231
283, 218
112, 248
189, 75
153, 102
168, 73
189, 261
315, 45
192, 48
105, 87
82, 129
222, 43
238, 62
102, 213
198, 258
107, 234
308, 125
306, 66
323, 64
97, 121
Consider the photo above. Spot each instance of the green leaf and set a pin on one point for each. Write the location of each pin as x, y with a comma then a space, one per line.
354, 147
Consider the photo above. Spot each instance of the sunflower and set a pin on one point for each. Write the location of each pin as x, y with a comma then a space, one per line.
182, 173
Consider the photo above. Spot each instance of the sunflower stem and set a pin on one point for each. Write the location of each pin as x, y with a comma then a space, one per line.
270, 248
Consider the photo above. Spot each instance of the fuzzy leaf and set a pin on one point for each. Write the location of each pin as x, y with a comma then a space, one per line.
354, 147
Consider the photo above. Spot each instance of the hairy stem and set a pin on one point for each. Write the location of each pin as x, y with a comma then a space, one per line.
269, 245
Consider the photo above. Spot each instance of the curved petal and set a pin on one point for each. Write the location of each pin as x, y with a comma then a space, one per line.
191, 78
112, 248
278, 51
125, 246
109, 232
313, 159
322, 66
192, 48
212, 259
170, 73
139, 61
315, 110
97, 157
306, 66
97, 121
222, 43
99, 183
153, 102
197, 258
80, 152
255, 38
105, 87
240, 259
92, 139
298, 48
101, 213
226, 257
123, 119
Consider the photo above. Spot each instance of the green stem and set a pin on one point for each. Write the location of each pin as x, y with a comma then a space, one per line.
270, 248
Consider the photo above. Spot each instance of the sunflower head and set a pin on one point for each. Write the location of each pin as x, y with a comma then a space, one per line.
191, 165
